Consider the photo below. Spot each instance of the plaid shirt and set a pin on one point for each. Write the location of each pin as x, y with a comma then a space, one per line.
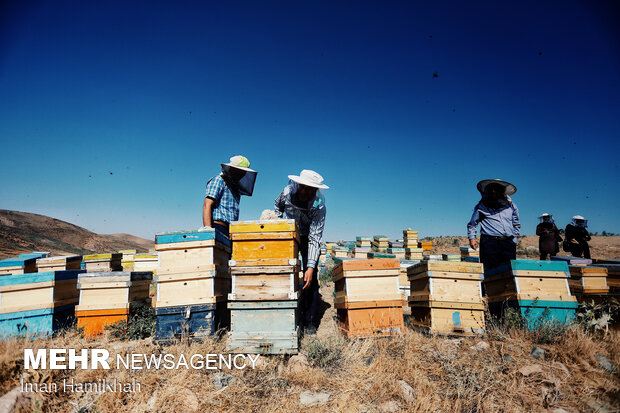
310, 222
226, 200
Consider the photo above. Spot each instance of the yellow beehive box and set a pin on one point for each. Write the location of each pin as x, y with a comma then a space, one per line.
265, 242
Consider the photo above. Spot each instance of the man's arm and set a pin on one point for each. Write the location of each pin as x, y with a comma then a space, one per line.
471, 228
515, 223
314, 243
207, 212
279, 204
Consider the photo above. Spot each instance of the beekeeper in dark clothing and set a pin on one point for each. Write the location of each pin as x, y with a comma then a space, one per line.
499, 223
548, 236
577, 237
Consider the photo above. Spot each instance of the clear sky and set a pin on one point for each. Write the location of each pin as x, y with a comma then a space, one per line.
114, 114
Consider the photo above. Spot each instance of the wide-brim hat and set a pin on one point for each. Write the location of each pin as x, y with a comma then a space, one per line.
309, 178
239, 162
545, 215
579, 217
509, 188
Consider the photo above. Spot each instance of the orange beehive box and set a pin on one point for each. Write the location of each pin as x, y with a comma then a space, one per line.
94, 321
264, 243
370, 318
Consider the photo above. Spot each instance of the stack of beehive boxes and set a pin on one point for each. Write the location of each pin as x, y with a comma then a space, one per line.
363, 242
397, 249
539, 290
427, 247
103, 262
403, 280
108, 297
368, 300
362, 247
36, 304
193, 283
340, 251
446, 297
264, 301
127, 259
381, 243
410, 244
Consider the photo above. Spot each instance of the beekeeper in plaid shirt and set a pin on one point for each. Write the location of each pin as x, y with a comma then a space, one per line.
303, 200
221, 205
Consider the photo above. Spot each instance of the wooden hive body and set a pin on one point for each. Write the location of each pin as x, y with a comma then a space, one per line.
366, 280
112, 290
264, 327
370, 318
446, 297
280, 282
103, 262
588, 280
37, 304
613, 276
60, 263
261, 243
17, 266
529, 280
538, 290
192, 322
145, 262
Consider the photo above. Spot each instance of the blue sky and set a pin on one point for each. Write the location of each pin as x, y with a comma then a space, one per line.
113, 115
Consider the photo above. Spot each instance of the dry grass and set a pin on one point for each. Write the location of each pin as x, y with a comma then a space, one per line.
445, 376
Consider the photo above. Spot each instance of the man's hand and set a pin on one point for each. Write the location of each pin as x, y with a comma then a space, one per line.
307, 278
473, 243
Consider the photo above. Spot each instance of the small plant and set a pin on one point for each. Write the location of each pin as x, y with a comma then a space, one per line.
141, 324
324, 353
326, 274
596, 318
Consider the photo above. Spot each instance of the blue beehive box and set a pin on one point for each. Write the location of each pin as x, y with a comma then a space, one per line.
53, 296
193, 322
264, 327
18, 265
535, 313
192, 235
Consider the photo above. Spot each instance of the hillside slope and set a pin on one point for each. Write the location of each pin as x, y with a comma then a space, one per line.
24, 232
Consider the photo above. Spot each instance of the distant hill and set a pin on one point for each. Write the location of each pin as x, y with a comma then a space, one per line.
24, 232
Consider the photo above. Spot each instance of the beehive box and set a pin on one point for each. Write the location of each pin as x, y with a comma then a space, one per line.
451, 257
366, 280
572, 260
112, 290
37, 304
59, 263
410, 239
426, 245
147, 261
445, 281
363, 242
127, 261
35, 254
280, 282
397, 252
413, 253
377, 254
380, 243
360, 252
613, 276
103, 262
18, 266
264, 327
259, 243
469, 252
446, 297
529, 280
588, 280
432, 257
195, 251
191, 322
340, 252
536, 313
370, 318
25, 292
191, 288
